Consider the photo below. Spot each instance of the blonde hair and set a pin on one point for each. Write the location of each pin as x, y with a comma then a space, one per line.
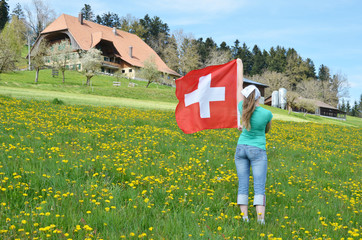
248, 109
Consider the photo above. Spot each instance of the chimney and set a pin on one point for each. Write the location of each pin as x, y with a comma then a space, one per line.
130, 51
115, 31
80, 18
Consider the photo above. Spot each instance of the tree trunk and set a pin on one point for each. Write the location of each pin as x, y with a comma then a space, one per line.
149, 82
37, 75
63, 76
88, 81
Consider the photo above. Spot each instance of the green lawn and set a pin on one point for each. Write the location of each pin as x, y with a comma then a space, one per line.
86, 172
102, 85
84, 99
103, 93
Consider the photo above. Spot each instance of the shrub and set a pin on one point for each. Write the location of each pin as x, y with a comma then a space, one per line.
57, 101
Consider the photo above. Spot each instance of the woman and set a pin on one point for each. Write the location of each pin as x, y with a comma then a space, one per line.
251, 151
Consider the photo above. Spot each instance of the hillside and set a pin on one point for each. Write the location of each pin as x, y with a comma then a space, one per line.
77, 172
103, 93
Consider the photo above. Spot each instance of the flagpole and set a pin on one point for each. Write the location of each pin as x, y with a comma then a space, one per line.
240, 81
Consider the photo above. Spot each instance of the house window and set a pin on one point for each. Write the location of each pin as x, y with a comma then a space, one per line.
102, 69
123, 71
130, 70
106, 59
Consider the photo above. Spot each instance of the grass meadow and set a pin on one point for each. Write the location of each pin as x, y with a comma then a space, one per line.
102, 85
86, 172
20, 84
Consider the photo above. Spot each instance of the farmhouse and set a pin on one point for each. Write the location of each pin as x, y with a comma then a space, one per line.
121, 50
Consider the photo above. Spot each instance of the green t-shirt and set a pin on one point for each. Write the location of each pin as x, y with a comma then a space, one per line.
256, 135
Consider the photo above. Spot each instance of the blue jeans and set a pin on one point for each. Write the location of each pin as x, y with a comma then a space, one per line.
245, 156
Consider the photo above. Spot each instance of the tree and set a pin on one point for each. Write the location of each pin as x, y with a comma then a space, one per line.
224, 47
337, 88
274, 80
323, 74
296, 69
342, 106
38, 59
292, 100
91, 63
244, 54
132, 25
4, 13
171, 54
266, 57
62, 56
87, 12
277, 59
348, 108
12, 41
156, 33
309, 89
39, 16
217, 57
247, 57
109, 19
235, 49
354, 111
189, 58
8, 57
323, 77
306, 105
18, 11
150, 71
204, 49
259, 63
311, 69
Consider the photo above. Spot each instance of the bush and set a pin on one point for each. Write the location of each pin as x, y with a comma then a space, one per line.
307, 105
57, 101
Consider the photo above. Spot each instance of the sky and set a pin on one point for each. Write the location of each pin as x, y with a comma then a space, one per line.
327, 31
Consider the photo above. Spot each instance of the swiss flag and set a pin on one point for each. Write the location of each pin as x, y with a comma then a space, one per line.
207, 98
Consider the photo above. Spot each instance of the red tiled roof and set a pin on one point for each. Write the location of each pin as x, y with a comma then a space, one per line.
89, 34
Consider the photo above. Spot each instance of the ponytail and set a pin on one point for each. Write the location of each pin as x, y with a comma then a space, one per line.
248, 109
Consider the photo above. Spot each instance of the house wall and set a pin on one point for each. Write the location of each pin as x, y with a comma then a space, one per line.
111, 64
129, 72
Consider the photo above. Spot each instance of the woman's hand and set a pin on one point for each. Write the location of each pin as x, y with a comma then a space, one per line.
240, 128
240, 80
268, 126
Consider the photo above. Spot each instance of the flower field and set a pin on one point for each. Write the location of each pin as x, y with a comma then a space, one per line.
80, 172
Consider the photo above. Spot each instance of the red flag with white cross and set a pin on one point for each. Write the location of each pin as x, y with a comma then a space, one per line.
208, 98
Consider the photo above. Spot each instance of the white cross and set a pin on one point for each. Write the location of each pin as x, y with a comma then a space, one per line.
204, 94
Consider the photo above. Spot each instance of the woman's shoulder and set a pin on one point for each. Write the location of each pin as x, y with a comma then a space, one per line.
265, 111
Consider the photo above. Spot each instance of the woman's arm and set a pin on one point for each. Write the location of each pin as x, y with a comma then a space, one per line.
240, 79
268, 126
